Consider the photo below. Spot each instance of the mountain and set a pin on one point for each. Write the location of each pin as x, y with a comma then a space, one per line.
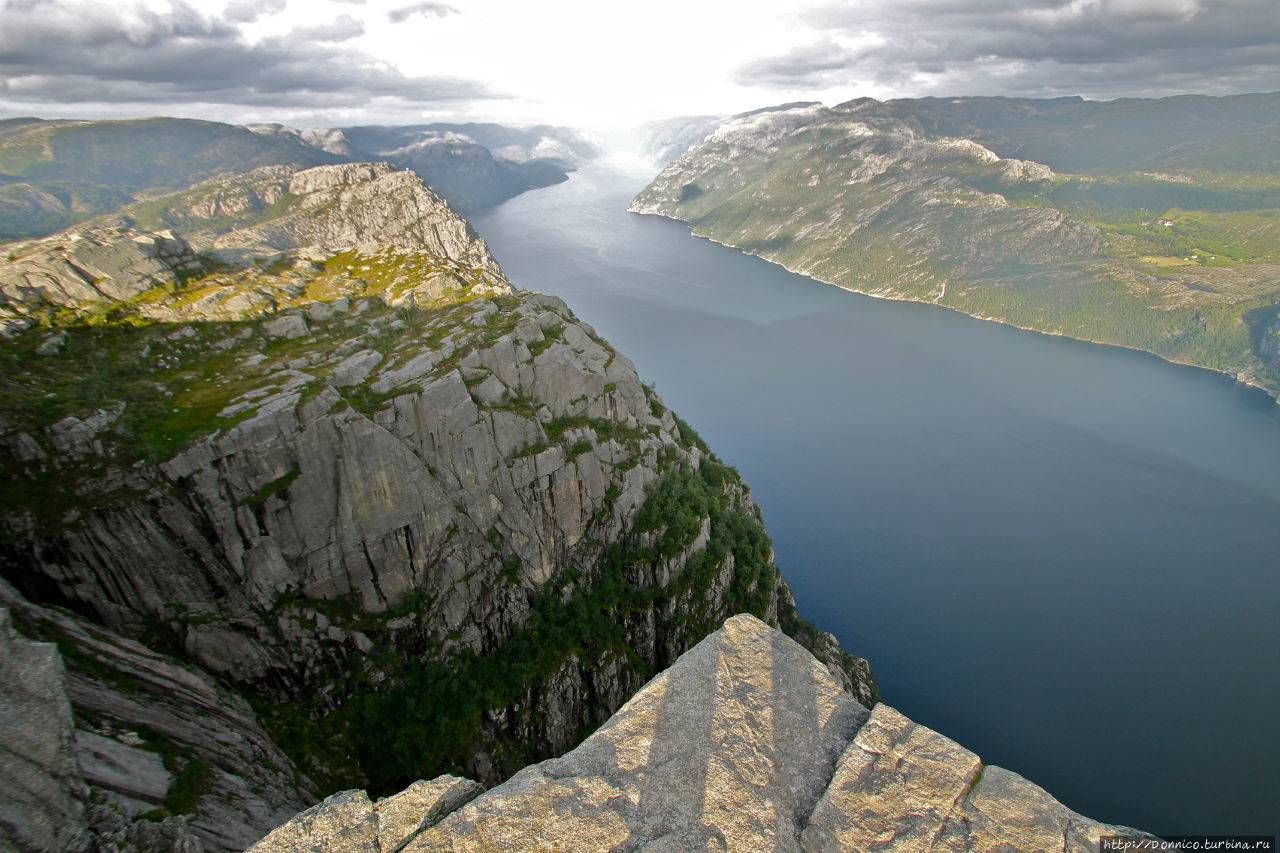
477, 166
299, 493
1148, 224
54, 174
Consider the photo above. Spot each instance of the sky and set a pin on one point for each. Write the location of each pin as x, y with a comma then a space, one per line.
605, 65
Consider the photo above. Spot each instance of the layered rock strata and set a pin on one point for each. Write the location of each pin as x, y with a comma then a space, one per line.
140, 739
746, 743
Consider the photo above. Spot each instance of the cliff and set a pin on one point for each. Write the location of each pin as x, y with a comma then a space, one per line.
317, 470
745, 743
935, 202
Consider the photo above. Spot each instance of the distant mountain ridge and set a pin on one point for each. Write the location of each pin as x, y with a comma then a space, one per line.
1148, 224
56, 173
1066, 134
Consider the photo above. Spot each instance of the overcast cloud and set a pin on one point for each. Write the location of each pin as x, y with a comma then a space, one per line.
57, 53
1095, 48
606, 65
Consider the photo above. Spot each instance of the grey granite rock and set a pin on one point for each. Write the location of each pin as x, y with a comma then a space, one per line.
42, 797
728, 749
348, 822
143, 706
902, 787
89, 265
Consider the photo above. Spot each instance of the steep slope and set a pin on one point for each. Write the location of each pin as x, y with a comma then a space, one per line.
1128, 134
914, 200
745, 743
423, 521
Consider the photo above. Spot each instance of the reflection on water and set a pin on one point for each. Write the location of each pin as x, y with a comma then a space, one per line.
1065, 556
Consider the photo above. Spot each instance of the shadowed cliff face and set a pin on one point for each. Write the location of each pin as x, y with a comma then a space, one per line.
335, 461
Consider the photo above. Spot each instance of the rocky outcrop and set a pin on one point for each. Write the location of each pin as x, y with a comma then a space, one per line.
234, 218
349, 820
902, 782
88, 267
354, 204
746, 743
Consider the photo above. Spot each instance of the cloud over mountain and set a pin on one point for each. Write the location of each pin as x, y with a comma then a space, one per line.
1099, 48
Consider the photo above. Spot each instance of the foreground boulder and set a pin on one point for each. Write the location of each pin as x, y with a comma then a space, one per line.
745, 743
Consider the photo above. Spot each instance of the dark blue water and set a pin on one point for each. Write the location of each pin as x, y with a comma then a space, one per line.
1062, 555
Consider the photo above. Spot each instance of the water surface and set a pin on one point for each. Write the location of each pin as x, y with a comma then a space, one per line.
1065, 556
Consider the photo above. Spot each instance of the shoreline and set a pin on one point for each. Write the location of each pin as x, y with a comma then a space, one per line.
1274, 394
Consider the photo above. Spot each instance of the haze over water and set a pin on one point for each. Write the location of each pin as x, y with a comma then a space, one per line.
1064, 556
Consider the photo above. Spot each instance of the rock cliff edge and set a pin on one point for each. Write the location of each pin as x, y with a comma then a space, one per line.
745, 743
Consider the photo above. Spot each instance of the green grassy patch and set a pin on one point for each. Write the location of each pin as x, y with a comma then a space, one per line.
277, 485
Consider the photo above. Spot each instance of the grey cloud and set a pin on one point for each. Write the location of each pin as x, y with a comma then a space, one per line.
65, 54
438, 10
1099, 48
247, 11
344, 28
807, 65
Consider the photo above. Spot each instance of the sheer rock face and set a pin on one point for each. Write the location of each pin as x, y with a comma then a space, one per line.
121, 730
375, 487
42, 798
425, 495
746, 743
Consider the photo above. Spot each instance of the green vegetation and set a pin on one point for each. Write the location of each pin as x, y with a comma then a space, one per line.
54, 174
549, 337
368, 401
268, 489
